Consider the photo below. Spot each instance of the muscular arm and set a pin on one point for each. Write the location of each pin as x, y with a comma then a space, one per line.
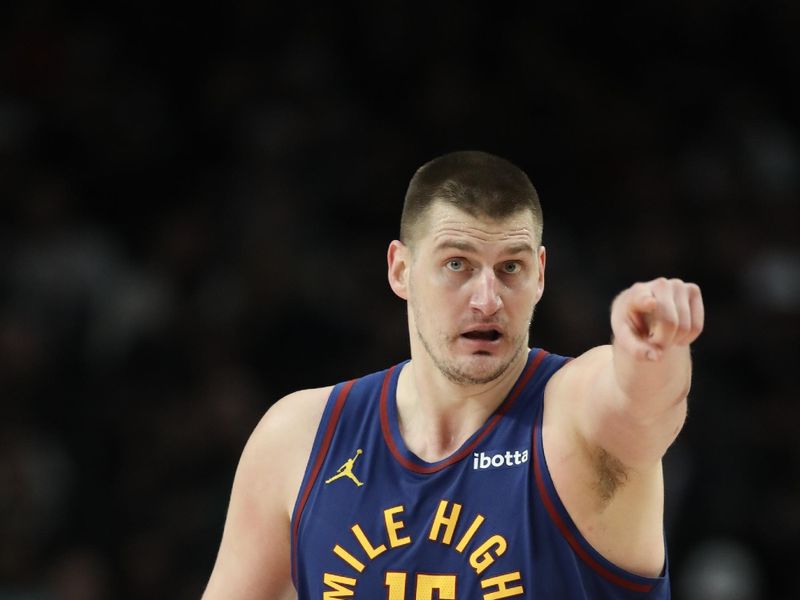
639, 385
612, 413
254, 561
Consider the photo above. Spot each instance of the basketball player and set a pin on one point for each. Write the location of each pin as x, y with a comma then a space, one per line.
479, 469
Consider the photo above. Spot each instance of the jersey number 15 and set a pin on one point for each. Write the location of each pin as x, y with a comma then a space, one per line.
426, 584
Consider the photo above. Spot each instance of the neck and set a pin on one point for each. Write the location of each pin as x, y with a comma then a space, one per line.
436, 415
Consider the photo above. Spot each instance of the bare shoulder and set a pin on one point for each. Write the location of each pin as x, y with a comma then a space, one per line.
254, 556
292, 418
571, 384
281, 442
579, 371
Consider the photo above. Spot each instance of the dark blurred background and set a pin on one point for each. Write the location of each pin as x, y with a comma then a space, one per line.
195, 206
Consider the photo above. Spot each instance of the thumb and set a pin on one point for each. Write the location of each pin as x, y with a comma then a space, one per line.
640, 310
643, 303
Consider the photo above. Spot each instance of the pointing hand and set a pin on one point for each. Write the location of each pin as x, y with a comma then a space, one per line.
651, 317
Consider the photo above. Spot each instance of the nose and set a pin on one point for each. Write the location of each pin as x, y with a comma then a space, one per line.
486, 293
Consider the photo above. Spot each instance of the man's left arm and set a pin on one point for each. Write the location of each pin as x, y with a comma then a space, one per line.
639, 384
612, 413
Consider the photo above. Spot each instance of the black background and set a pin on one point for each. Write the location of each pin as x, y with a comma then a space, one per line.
195, 205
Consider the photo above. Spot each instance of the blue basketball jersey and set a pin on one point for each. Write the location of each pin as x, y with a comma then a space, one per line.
373, 521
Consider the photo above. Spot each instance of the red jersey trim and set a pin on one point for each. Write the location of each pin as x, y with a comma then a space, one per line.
330, 428
466, 451
567, 533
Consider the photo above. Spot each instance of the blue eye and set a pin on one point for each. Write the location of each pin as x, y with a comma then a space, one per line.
511, 267
455, 264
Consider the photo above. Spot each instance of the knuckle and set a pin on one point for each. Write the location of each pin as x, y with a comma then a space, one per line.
671, 321
671, 315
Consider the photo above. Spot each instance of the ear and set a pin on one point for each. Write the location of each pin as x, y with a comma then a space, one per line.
542, 257
398, 259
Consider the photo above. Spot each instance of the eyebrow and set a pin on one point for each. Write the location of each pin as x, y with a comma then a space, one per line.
517, 248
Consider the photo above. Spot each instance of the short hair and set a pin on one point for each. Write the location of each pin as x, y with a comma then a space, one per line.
480, 184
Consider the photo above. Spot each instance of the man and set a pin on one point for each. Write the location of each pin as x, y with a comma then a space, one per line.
487, 470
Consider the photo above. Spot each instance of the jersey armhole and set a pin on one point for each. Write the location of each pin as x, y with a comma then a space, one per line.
569, 531
319, 450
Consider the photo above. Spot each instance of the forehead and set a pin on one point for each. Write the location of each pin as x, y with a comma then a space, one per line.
445, 222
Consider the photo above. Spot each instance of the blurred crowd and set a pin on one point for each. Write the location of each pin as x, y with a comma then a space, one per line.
195, 207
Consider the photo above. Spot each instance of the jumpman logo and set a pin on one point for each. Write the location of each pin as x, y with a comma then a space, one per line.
346, 470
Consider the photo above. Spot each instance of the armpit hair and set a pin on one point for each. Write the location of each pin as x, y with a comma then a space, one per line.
611, 475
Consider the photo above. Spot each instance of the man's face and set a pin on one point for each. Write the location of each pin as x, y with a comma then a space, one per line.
472, 285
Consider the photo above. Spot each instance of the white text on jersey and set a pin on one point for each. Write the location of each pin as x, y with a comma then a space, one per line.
482, 461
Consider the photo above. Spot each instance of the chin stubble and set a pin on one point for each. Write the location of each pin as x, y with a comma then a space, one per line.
456, 375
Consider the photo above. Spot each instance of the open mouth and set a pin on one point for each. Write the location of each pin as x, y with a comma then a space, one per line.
490, 335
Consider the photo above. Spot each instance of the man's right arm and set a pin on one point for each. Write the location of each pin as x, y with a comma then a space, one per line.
254, 559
